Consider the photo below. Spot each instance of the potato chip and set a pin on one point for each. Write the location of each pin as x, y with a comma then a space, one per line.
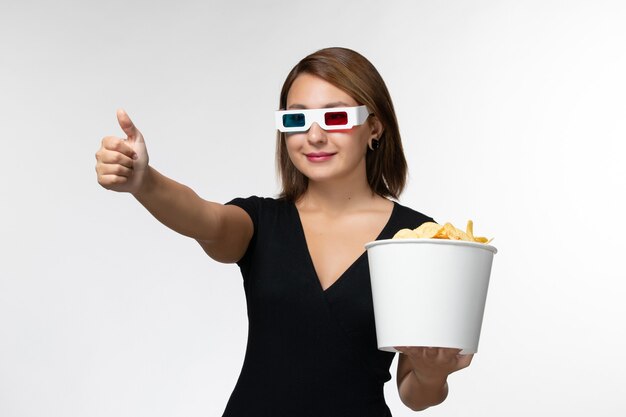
455, 234
432, 230
469, 229
405, 234
428, 230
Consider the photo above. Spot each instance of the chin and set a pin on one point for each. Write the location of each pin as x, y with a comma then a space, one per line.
316, 173
317, 177
324, 174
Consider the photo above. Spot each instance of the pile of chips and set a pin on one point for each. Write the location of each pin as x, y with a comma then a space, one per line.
431, 230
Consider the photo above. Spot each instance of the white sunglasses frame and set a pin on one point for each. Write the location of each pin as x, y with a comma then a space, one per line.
356, 116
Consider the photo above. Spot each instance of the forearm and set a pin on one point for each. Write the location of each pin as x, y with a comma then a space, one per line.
419, 395
178, 206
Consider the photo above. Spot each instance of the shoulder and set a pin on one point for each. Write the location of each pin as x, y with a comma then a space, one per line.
256, 206
255, 201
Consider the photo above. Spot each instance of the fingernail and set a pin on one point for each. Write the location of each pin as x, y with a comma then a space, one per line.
135, 156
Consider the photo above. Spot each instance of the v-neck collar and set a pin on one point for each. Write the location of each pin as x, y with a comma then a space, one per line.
311, 265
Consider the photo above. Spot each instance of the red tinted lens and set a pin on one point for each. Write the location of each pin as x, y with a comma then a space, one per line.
336, 118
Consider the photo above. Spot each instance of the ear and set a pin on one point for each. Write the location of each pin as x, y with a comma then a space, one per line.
376, 127
376, 131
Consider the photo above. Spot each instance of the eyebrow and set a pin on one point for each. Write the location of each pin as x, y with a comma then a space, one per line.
327, 106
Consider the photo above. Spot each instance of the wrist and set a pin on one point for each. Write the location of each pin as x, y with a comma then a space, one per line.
147, 184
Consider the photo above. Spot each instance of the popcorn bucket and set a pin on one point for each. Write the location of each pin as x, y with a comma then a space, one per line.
429, 292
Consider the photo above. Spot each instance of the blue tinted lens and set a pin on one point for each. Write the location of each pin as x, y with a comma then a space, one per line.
293, 120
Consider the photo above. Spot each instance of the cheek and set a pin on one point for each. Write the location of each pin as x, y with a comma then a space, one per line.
293, 144
344, 131
361, 133
293, 141
362, 140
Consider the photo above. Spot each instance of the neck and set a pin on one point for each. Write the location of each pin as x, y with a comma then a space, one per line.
338, 195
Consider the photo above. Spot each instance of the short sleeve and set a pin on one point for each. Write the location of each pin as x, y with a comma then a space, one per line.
252, 206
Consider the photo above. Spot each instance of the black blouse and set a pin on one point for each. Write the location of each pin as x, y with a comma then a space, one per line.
310, 352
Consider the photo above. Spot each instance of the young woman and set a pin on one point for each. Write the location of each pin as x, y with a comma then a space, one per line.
311, 340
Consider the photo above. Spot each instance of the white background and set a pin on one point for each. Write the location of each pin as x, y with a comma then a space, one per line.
512, 114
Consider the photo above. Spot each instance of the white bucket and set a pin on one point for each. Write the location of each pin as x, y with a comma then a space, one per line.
429, 292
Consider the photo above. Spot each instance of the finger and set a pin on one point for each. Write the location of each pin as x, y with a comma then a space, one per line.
450, 352
109, 180
112, 143
114, 169
431, 352
114, 157
127, 125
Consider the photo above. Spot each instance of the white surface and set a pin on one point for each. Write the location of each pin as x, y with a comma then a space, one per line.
429, 292
512, 114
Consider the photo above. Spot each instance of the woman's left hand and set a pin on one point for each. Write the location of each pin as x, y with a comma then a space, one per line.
432, 363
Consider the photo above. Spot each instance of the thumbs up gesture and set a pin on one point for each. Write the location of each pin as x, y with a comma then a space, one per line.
122, 164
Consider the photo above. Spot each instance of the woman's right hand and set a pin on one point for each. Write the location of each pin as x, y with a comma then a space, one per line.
122, 164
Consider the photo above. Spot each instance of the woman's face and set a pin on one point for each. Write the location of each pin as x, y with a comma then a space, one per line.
327, 155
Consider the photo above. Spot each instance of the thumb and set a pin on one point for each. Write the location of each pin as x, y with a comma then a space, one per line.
128, 126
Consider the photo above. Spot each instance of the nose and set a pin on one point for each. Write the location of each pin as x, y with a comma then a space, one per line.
316, 135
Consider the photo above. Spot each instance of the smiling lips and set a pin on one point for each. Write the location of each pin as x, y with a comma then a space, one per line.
319, 156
